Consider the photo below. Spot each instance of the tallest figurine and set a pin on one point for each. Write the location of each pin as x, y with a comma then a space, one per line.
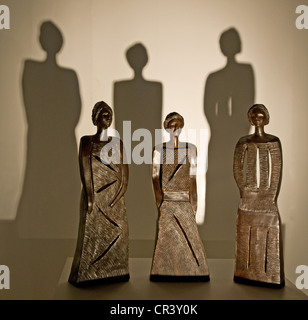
102, 248
257, 171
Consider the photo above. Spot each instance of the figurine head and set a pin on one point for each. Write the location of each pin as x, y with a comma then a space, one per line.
174, 123
258, 115
137, 56
230, 42
102, 115
50, 38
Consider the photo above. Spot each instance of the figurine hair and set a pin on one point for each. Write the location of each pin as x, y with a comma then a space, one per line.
98, 108
263, 109
171, 116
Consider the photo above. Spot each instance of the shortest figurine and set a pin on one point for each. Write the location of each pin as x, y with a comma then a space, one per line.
257, 171
179, 254
102, 246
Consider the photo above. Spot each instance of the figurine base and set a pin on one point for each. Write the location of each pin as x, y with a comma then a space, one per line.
123, 278
159, 278
220, 286
258, 283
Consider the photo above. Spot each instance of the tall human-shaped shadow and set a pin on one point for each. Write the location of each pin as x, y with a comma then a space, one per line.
139, 101
229, 93
49, 202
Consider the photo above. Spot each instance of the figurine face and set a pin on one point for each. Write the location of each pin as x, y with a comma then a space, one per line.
104, 119
258, 117
175, 126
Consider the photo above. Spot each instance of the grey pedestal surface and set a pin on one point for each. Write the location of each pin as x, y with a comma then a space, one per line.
139, 287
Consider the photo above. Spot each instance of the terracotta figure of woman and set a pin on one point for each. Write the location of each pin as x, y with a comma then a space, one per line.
179, 252
102, 247
257, 171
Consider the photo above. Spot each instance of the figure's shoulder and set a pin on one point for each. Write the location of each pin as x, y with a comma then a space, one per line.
245, 139
191, 146
85, 143
272, 138
191, 150
253, 139
85, 139
159, 147
118, 139
115, 140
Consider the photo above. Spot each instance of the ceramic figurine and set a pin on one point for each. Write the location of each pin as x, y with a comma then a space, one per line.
102, 247
257, 171
179, 254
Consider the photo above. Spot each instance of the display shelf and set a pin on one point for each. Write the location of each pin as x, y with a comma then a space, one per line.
220, 287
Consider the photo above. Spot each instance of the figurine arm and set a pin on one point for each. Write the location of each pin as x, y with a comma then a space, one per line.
156, 176
193, 174
124, 176
85, 149
238, 165
276, 160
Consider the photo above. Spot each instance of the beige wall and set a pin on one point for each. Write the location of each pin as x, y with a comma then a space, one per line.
181, 37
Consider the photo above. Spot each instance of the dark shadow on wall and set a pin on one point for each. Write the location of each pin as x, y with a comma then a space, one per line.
229, 93
139, 101
49, 203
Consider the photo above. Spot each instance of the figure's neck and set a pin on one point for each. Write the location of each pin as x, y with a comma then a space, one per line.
101, 135
259, 132
174, 141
